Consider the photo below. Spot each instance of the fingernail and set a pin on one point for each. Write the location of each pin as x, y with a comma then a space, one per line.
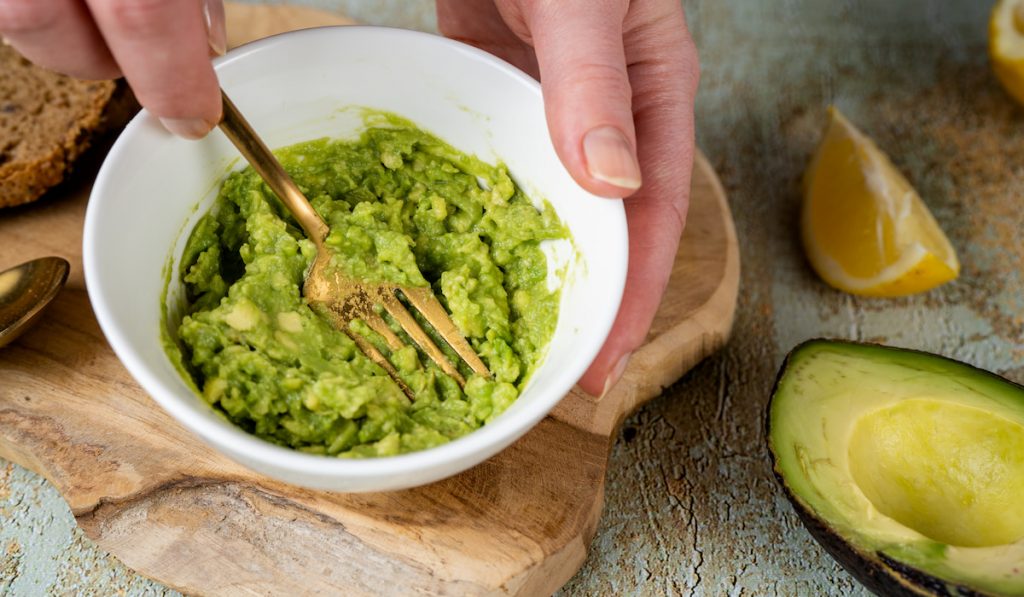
615, 374
610, 157
189, 128
216, 30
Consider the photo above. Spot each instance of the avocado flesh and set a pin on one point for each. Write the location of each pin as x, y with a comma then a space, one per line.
904, 460
953, 473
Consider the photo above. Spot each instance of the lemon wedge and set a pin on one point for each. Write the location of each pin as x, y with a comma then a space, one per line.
1006, 45
865, 229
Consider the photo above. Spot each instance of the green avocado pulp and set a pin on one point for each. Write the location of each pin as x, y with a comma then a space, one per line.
907, 466
403, 207
952, 473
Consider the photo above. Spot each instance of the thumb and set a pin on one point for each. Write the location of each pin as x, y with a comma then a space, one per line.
586, 91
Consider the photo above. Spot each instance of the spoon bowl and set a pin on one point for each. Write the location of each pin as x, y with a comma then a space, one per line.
25, 291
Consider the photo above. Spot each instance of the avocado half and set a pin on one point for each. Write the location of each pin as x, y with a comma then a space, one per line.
907, 467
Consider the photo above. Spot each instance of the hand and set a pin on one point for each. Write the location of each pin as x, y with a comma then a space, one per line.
161, 47
619, 81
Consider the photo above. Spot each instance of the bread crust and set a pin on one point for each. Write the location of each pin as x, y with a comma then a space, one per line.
64, 113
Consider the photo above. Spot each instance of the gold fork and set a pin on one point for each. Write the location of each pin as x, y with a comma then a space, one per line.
342, 299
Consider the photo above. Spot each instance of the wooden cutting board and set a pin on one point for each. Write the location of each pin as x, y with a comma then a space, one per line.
155, 496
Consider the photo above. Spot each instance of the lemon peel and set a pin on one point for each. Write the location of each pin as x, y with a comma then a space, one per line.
865, 229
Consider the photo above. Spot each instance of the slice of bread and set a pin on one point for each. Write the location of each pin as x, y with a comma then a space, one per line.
46, 121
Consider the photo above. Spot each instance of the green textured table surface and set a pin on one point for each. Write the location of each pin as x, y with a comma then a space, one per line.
691, 505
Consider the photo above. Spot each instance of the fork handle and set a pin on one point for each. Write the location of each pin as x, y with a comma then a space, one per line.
252, 148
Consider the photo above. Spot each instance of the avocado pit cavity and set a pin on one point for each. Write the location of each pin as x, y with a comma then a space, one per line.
953, 473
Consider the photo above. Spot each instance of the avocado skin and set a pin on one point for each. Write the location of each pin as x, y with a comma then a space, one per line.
927, 583
871, 572
881, 574
878, 572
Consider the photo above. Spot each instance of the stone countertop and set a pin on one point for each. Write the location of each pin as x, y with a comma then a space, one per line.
691, 504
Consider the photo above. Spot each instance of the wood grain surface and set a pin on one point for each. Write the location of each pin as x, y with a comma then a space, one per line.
171, 508
248, 22
690, 504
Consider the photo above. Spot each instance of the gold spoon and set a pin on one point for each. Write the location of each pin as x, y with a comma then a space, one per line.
25, 291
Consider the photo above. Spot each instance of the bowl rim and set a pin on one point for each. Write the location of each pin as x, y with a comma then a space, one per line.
224, 435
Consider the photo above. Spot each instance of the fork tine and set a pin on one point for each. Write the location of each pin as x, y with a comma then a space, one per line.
427, 304
377, 324
405, 319
375, 355
340, 322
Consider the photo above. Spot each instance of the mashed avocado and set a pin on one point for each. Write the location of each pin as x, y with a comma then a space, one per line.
402, 207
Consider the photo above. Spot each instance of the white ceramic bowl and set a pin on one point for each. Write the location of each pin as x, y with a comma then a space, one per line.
153, 187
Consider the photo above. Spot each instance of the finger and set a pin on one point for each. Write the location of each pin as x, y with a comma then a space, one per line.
481, 24
664, 73
59, 35
163, 50
216, 26
587, 93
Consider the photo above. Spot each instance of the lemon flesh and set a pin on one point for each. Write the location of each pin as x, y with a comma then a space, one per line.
865, 229
1006, 45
